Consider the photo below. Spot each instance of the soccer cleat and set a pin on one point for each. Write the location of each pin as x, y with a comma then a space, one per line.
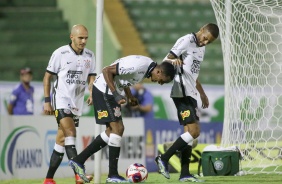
79, 169
116, 179
163, 167
190, 178
78, 180
49, 181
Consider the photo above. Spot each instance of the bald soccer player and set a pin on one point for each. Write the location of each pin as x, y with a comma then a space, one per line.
74, 67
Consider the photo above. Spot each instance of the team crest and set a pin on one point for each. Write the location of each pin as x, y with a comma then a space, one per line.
67, 111
87, 63
102, 114
185, 114
117, 112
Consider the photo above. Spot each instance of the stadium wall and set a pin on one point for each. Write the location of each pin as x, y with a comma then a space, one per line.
84, 12
26, 144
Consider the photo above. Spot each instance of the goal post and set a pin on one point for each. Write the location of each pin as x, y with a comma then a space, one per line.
251, 38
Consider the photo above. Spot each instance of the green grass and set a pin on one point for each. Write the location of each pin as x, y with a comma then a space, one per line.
157, 178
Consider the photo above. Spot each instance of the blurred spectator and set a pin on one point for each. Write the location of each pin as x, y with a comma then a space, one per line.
21, 100
146, 103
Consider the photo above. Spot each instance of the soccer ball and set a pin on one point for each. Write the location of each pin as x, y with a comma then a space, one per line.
136, 173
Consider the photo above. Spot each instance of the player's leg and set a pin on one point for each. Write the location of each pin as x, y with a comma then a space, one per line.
187, 115
99, 142
115, 130
56, 157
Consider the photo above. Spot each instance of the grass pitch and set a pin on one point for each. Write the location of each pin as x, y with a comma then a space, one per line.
158, 178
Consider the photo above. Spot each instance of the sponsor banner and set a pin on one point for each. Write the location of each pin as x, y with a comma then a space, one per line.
27, 143
163, 105
161, 131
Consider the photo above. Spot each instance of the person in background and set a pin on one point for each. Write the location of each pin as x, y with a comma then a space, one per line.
187, 54
74, 67
21, 99
146, 102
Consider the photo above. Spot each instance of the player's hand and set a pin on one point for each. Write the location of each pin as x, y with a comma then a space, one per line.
133, 101
119, 98
89, 100
48, 110
175, 62
205, 101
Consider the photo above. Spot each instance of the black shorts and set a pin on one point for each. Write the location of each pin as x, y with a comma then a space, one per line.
187, 110
106, 109
62, 113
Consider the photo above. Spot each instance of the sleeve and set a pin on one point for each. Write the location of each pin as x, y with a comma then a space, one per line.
148, 99
181, 45
14, 97
93, 66
54, 63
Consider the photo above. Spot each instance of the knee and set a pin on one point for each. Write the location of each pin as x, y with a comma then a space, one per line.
70, 132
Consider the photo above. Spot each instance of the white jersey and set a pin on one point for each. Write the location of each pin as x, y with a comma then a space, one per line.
72, 71
192, 56
130, 70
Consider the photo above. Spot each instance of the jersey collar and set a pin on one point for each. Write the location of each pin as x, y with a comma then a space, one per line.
195, 39
151, 67
74, 50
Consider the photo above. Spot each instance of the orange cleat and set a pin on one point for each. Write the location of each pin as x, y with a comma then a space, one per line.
78, 180
49, 181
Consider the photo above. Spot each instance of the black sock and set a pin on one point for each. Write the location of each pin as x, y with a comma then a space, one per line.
55, 161
92, 148
71, 151
113, 160
178, 145
185, 160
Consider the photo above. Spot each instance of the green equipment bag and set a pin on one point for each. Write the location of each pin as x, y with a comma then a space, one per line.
220, 163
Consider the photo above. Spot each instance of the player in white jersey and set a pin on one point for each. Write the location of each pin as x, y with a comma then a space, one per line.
187, 55
107, 89
74, 67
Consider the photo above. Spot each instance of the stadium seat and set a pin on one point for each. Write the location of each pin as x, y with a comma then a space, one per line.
31, 31
161, 22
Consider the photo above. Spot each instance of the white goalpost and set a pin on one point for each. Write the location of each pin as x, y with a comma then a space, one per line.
251, 38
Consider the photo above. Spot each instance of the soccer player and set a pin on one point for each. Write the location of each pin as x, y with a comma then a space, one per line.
107, 100
187, 55
21, 99
74, 67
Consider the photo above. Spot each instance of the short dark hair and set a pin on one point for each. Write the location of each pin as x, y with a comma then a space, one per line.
168, 69
213, 29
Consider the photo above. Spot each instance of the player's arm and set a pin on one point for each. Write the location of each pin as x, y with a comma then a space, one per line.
204, 98
173, 59
109, 73
91, 79
47, 88
132, 101
10, 108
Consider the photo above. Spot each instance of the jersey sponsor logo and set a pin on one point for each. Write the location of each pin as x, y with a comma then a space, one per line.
56, 113
64, 52
124, 85
195, 68
69, 62
142, 72
73, 77
87, 63
102, 114
125, 70
117, 112
185, 114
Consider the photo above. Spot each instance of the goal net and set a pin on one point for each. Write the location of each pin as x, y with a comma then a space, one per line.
251, 38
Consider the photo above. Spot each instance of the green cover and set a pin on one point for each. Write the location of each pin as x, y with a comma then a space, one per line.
220, 163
